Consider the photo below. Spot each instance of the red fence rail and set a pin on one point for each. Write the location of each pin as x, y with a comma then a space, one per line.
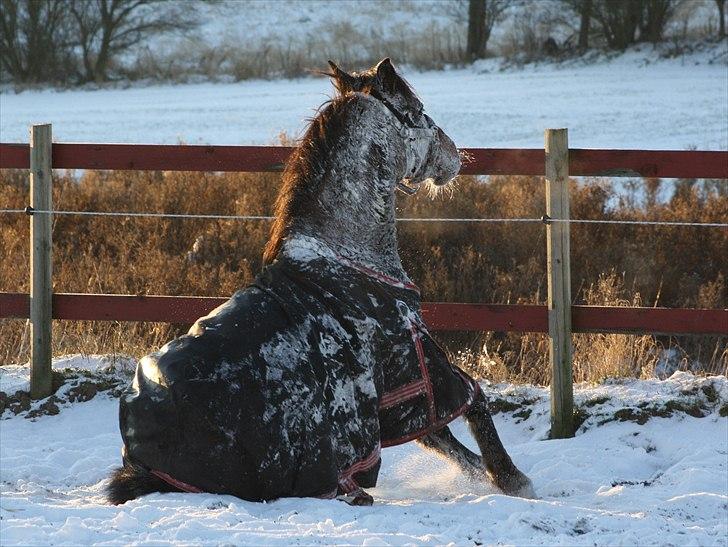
443, 316
482, 161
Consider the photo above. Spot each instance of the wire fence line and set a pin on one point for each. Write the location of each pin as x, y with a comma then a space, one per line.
544, 219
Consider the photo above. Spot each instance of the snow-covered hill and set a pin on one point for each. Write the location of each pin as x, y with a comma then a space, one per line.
649, 466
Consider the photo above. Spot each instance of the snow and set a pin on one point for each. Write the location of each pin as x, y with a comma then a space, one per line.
620, 483
15, 377
632, 101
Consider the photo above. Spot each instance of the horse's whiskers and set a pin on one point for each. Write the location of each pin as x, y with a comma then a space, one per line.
435, 191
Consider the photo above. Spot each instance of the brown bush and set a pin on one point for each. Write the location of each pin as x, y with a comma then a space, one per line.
493, 262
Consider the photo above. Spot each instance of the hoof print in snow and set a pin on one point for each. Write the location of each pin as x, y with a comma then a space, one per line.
581, 527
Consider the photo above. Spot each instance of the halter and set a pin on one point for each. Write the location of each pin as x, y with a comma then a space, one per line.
417, 140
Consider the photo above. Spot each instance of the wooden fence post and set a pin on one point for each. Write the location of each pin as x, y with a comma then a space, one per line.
41, 289
559, 283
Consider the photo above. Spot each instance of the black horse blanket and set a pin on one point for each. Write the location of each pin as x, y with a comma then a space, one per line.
292, 387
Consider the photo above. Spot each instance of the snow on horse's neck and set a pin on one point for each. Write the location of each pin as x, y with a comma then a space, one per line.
355, 212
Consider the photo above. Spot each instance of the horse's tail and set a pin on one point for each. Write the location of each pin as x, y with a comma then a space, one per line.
131, 481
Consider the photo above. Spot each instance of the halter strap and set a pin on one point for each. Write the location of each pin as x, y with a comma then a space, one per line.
404, 120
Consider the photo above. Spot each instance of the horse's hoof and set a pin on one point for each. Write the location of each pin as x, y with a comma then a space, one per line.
526, 491
519, 486
357, 497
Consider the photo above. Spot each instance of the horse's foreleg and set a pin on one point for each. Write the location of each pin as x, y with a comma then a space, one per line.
444, 444
498, 463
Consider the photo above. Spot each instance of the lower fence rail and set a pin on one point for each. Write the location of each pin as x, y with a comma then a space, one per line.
439, 316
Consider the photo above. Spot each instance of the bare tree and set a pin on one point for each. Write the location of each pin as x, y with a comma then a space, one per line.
457, 10
482, 17
582, 8
655, 16
109, 27
585, 8
35, 43
625, 22
721, 17
619, 21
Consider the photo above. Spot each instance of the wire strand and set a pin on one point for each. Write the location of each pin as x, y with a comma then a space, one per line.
463, 220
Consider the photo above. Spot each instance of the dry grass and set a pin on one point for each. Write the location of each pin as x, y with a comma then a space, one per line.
615, 355
501, 263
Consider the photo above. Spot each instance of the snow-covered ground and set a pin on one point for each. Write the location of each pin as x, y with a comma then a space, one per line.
633, 101
660, 482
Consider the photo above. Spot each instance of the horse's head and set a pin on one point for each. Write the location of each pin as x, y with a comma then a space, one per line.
430, 155
338, 185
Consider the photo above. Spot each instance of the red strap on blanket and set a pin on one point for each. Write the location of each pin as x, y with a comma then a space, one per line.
379, 276
174, 482
347, 484
425, 374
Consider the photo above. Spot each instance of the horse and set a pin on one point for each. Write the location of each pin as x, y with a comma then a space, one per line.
294, 385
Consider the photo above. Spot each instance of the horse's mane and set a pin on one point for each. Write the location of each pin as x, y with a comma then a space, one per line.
304, 171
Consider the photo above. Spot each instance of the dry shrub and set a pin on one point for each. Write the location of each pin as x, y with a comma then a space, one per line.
493, 262
135, 255
598, 356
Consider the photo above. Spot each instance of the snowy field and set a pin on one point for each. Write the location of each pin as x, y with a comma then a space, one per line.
633, 101
662, 482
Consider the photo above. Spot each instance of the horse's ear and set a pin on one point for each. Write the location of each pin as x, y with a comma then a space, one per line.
343, 81
386, 73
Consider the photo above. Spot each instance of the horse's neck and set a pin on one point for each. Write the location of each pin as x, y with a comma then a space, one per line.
360, 228
355, 211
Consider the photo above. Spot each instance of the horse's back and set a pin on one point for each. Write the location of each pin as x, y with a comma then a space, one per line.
200, 409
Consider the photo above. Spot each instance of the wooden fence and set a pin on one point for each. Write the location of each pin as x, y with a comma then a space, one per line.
558, 318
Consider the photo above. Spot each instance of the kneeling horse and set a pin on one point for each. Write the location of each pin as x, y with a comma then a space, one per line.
294, 385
